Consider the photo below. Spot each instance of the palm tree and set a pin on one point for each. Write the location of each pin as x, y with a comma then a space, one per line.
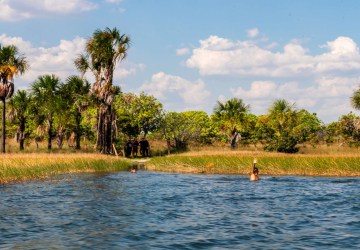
11, 64
18, 112
75, 91
103, 50
281, 112
46, 100
232, 113
355, 99
283, 118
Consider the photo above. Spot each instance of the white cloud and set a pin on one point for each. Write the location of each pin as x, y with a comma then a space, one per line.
321, 83
8, 13
182, 51
58, 60
328, 96
16, 10
161, 84
342, 46
258, 89
220, 56
252, 33
125, 69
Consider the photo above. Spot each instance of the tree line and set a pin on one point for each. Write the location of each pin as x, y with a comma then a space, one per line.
100, 112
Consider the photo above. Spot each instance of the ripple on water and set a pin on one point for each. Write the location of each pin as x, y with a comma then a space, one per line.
171, 211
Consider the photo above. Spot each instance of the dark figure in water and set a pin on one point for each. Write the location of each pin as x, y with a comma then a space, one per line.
255, 173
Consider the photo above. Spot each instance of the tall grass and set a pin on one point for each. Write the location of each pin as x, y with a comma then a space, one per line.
220, 162
21, 167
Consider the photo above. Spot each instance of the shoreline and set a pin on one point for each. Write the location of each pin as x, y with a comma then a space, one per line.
268, 165
16, 168
26, 167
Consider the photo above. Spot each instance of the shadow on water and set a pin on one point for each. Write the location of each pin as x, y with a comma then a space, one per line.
150, 210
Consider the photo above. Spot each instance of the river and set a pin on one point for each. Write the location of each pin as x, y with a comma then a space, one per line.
150, 210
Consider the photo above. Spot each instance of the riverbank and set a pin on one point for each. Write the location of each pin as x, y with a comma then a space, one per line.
35, 166
238, 162
24, 167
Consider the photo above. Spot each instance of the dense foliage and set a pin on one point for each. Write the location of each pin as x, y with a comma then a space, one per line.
101, 113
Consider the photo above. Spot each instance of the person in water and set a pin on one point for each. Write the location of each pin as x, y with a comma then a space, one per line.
255, 173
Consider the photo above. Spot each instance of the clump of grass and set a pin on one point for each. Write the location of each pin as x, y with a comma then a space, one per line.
21, 167
268, 164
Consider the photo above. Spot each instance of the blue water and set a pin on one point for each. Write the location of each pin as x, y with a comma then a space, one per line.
150, 210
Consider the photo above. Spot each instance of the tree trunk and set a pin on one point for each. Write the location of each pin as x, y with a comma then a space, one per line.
168, 143
50, 134
98, 129
60, 138
108, 138
78, 131
22, 135
234, 137
3, 126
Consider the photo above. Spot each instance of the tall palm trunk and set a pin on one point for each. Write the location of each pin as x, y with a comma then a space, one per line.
22, 134
3, 126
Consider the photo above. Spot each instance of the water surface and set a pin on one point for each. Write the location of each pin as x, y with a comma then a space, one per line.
150, 210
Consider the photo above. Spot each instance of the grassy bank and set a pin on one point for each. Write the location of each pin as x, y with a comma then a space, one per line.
22, 167
240, 162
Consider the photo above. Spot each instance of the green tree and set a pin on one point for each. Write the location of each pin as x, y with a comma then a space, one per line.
282, 119
19, 114
307, 127
232, 116
179, 129
47, 102
103, 50
348, 127
12, 63
75, 93
138, 114
355, 99
249, 130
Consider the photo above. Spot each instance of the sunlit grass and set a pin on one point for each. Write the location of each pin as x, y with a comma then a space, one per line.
21, 167
240, 162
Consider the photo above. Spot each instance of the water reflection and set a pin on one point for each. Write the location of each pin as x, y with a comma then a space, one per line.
171, 211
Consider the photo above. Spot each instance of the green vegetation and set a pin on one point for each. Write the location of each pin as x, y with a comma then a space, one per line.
103, 50
11, 64
227, 162
23, 167
77, 112
99, 117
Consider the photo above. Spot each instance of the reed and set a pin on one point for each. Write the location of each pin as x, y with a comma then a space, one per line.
22, 167
218, 162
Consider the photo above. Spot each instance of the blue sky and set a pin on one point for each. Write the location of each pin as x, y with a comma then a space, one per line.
191, 53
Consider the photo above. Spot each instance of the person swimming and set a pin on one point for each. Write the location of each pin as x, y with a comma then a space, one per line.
255, 173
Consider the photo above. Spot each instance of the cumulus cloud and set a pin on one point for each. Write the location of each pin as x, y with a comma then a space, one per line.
252, 33
126, 69
161, 84
327, 96
16, 10
58, 60
220, 56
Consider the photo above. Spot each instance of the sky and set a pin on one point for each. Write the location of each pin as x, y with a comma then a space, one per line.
190, 54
